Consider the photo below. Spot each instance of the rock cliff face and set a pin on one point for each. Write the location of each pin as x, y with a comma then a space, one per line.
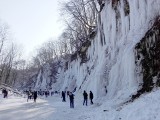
121, 59
148, 57
47, 75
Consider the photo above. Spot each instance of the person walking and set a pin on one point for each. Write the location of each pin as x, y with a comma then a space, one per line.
5, 93
35, 96
91, 97
29, 93
63, 97
85, 95
46, 93
67, 93
71, 97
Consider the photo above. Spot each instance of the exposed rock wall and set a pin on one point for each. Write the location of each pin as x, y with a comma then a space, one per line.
148, 57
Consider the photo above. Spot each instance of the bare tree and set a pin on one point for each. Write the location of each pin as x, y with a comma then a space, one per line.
3, 35
46, 53
8, 64
3, 53
83, 19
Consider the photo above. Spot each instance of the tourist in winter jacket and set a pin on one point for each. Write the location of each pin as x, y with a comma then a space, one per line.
71, 97
35, 96
85, 95
63, 96
91, 97
5, 93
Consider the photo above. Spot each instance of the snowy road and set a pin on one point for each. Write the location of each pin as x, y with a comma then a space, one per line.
16, 108
147, 107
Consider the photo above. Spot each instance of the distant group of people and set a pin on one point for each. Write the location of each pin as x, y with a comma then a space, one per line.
5, 93
42, 93
47, 93
71, 98
34, 94
85, 95
31, 95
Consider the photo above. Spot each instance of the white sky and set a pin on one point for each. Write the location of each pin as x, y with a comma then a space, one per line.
31, 21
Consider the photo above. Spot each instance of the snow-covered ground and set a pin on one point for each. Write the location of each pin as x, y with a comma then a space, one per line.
52, 108
147, 107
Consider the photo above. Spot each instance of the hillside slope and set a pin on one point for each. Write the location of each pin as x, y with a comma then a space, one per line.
109, 68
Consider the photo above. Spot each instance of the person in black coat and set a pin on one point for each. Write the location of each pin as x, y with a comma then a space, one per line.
85, 95
71, 97
63, 96
35, 96
5, 93
91, 97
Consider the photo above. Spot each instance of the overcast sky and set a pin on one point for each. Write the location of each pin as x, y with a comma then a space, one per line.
31, 21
